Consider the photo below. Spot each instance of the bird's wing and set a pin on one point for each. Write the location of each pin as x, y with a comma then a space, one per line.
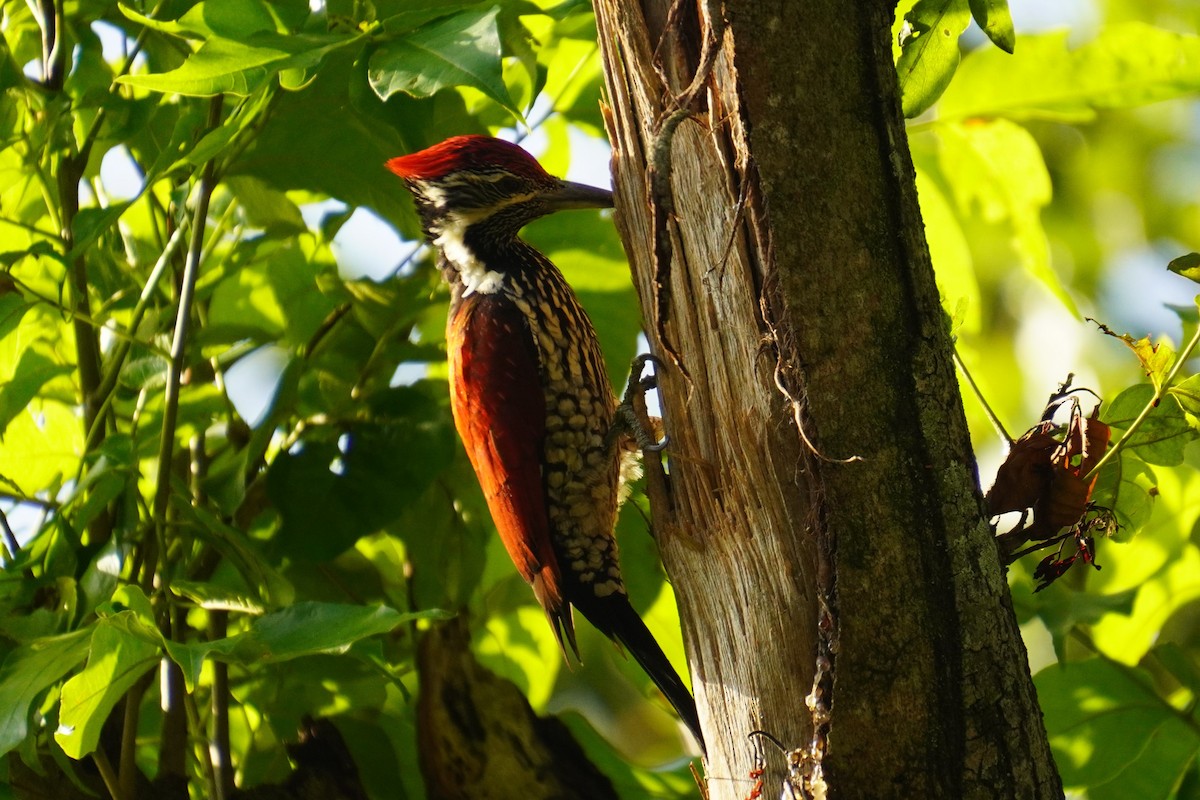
500, 412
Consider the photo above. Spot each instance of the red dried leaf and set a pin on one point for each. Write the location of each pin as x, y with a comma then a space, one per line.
1025, 473
1043, 477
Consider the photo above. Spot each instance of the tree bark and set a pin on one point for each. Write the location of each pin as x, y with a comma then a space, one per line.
820, 515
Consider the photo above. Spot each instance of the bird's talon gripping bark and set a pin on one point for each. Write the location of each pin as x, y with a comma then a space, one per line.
627, 417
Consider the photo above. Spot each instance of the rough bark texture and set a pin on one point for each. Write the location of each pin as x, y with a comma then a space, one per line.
788, 291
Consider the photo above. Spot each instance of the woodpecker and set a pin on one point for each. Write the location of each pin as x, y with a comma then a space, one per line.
529, 391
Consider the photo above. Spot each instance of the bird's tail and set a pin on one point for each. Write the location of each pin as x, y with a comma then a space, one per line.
624, 625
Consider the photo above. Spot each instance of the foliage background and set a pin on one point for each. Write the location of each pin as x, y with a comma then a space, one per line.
316, 508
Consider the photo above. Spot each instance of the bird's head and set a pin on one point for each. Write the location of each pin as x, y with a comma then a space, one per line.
469, 180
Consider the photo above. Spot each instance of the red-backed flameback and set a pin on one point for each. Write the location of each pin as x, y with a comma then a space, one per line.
528, 387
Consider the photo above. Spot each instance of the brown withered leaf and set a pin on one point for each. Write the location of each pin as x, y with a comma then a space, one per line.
1043, 477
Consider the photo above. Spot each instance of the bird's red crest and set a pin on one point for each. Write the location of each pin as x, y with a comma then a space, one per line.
470, 152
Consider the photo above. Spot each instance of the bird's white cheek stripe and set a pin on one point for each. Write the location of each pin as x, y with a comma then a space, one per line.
451, 240
476, 277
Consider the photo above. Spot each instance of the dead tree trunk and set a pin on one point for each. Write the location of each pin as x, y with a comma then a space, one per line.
820, 516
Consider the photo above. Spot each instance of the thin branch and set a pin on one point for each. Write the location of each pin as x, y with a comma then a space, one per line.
987, 409
187, 294
127, 338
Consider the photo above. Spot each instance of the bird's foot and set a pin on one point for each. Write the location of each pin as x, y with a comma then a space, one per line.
631, 416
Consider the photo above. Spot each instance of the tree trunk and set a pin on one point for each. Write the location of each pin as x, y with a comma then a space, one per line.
820, 514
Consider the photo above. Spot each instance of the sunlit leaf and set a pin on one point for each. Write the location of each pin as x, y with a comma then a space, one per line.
228, 18
996, 168
1163, 434
1188, 266
27, 671
1095, 709
116, 661
994, 19
1156, 358
462, 50
239, 67
950, 254
306, 628
17, 389
929, 52
1126, 65
1187, 394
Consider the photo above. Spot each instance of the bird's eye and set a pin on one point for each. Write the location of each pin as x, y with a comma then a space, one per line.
507, 186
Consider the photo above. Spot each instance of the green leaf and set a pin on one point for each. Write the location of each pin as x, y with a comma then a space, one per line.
929, 51
520, 647
1163, 434
90, 223
17, 390
997, 167
242, 553
308, 628
1187, 394
239, 67
1095, 710
1161, 760
298, 149
1127, 65
1124, 486
1188, 266
116, 661
462, 50
304, 629
228, 18
1179, 663
219, 598
1063, 609
40, 447
994, 18
267, 208
331, 493
29, 670
950, 254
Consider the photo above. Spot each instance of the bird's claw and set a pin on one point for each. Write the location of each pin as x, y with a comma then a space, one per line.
627, 416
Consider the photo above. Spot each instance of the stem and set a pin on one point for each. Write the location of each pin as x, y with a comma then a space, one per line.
10, 539
222, 763
54, 63
106, 774
187, 294
987, 409
133, 705
1159, 393
126, 342
172, 754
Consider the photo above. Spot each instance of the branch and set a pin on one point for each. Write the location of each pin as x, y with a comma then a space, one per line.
187, 294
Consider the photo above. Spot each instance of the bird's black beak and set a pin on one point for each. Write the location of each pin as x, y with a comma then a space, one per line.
577, 195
